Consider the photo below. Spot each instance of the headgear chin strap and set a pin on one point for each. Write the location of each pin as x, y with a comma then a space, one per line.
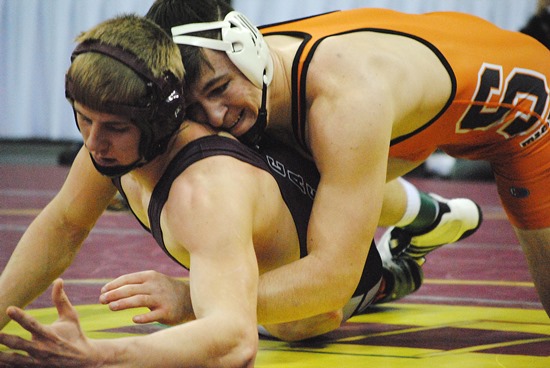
119, 170
253, 135
158, 114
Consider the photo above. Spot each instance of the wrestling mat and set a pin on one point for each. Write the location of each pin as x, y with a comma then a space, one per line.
477, 307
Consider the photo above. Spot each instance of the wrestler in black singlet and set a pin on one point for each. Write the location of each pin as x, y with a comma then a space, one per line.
296, 177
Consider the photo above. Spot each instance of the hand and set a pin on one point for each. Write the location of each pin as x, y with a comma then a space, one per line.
62, 344
167, 298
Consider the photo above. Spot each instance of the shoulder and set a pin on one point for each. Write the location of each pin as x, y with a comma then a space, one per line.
211, 172
211, 201
214, 183
357, 55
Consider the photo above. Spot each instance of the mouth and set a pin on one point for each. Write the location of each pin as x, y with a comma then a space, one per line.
103, 161
235, 123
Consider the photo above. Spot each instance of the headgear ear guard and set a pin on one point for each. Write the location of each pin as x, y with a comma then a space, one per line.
246, 48
242, 41
158, 115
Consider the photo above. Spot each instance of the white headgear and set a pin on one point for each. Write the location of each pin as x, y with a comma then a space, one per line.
243, 43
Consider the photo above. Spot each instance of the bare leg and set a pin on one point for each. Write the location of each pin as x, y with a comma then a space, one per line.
395, 199
536, 245
394, 205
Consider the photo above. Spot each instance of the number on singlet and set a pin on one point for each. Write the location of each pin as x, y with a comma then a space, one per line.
524, 94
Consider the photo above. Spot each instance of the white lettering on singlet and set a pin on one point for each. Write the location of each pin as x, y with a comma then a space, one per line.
296, 179
539, 133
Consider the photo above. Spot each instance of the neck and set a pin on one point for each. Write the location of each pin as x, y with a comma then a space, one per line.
279, 96
151, 173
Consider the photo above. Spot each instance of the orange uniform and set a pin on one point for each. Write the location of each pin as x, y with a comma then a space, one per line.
498, 108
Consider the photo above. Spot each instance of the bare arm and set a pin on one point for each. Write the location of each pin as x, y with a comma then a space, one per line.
223, 274
50, 243
217, 235
349, 131
341, 228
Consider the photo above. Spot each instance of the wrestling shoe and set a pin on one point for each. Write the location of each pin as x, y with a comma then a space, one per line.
458, 218
401, 276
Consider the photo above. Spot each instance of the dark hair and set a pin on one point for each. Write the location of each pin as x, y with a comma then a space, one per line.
171, 13
538, 27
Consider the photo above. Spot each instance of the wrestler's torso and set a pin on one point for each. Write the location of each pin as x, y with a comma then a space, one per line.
279, 236
491, 92
296, 178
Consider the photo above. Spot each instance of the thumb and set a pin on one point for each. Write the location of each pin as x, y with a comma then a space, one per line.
61, 301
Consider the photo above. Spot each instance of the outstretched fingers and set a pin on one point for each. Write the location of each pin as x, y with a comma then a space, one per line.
14, 343
16, 360
28, 322
61, 344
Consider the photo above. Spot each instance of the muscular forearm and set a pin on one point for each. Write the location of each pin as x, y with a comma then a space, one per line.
40, 257
338, 245
209, 342
291, 293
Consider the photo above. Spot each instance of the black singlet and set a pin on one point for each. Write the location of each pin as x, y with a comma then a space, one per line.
296, 177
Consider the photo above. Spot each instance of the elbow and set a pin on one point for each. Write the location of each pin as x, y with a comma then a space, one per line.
241, 352
247, 353
247, 348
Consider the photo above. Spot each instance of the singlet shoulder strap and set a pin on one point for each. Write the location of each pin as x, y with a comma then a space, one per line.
195, 151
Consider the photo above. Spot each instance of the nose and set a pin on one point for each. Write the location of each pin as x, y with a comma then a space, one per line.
215, 113
93, 139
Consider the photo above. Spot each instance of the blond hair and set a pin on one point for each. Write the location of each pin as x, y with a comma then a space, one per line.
100, 80
129, 66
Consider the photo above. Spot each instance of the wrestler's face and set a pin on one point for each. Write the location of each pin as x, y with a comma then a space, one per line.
112, 140
223, 97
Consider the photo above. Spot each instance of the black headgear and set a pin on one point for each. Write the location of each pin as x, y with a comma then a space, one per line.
158, 114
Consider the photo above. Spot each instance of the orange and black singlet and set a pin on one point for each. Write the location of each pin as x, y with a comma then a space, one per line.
499, 105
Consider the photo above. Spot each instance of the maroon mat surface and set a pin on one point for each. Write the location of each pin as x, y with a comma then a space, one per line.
487, 269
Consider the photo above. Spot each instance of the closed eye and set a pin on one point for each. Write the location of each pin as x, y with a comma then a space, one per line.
219, 90
118, 128
83, 118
